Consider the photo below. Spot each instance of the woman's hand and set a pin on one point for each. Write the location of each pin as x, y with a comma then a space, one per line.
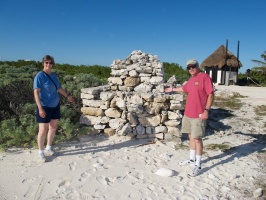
42, 113
71, 99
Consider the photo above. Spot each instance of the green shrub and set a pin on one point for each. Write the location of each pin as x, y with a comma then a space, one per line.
18, 126
18, 133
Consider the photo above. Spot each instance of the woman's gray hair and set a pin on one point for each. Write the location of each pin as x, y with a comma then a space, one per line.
48, 57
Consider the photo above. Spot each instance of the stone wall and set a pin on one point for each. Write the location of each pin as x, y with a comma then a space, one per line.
133, 103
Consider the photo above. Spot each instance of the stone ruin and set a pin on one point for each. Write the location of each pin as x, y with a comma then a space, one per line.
133, 103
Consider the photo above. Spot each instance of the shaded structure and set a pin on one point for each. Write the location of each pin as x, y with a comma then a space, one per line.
222, 66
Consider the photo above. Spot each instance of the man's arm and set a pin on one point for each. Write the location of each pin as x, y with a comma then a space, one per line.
171, 89
209, 101
205, 114
178, 89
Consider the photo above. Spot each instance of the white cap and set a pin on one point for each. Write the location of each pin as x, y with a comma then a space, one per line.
192, 62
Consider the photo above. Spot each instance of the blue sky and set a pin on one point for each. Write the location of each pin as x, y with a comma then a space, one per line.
88, 32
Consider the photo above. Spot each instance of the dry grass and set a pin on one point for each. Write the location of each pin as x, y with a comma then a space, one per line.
222, 147
261, 181
181, 146
260, 110
226, 101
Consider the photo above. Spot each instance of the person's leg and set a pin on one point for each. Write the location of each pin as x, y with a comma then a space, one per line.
40, 140
192, 153
41, 135
50, 137
198, 132
51, 132
192, 147
186, 128
199, 150
55, 116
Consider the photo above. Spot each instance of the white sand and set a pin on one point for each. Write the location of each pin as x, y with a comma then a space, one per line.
119, 168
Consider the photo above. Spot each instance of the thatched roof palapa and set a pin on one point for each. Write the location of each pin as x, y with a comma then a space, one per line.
217, 59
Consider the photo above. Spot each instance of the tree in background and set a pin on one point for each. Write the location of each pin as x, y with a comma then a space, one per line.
262, 63
255, 76
258, 73
171, 69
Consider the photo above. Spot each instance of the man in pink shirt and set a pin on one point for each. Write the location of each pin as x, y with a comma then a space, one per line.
199, 89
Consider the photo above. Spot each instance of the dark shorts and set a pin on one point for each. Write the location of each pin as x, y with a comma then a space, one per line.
51, 113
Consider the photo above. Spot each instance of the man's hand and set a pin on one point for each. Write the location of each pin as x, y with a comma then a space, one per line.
169, 89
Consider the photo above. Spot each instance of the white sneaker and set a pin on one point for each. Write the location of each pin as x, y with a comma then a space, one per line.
194, 172
42, 157
51, 152
187, 162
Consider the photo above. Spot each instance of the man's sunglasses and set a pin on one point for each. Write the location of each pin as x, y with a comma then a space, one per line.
191, 67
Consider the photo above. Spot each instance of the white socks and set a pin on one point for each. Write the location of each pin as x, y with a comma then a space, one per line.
48, 148
198, 160
192, 155
195, 157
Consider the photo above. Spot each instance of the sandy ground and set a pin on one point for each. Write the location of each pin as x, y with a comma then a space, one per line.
120, 168
255, 95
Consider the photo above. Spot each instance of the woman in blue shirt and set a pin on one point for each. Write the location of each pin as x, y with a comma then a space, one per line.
46, 87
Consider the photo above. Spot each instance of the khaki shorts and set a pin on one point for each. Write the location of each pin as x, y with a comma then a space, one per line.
194, 126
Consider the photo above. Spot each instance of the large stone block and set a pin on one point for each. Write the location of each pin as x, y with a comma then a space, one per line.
92, 111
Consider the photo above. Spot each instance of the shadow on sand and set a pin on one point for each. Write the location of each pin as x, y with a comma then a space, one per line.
236, 152
79, 148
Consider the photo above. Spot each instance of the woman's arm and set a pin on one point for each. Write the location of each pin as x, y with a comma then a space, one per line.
65, 94
36, 93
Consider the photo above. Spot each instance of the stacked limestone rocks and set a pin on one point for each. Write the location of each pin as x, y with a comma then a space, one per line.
133, 103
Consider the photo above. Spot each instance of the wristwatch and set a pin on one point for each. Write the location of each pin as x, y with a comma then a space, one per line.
207, 109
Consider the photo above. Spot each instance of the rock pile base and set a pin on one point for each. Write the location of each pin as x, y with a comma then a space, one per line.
133, 103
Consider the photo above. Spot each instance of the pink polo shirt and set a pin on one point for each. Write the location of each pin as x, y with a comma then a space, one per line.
198, 88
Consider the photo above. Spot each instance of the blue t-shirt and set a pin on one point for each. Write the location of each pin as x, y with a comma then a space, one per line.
48, 93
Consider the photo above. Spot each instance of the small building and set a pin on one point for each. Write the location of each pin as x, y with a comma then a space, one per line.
222, 66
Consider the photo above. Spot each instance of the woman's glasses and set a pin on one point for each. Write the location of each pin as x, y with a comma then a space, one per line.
48, 63
191, 67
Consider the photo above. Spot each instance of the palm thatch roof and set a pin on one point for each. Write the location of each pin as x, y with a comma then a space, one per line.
217, 59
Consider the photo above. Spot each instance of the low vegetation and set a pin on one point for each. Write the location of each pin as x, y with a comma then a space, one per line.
261, 113
260, 110
222, 147
228, 101
18, 127
181, 146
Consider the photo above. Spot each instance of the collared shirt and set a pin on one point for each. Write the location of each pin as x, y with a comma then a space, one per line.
198, 89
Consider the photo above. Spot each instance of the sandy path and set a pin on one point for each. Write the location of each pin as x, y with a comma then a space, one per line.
255, 95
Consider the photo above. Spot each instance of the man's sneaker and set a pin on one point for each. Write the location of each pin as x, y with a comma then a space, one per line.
187, 162
51, 152
194, 172
42, 157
